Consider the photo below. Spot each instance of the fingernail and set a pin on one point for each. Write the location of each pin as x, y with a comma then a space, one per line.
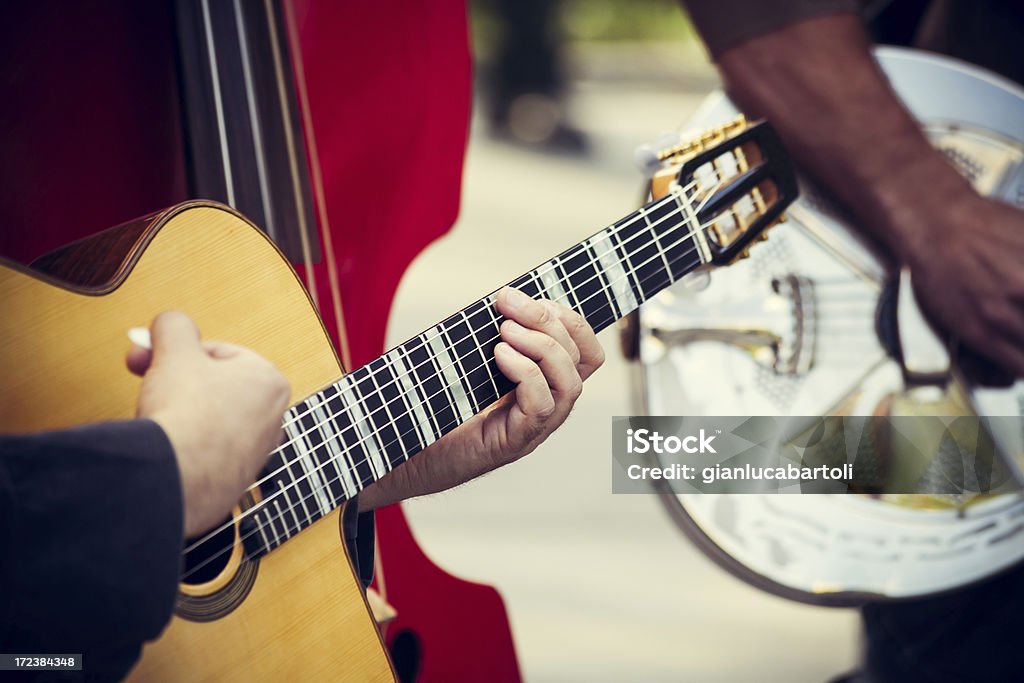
512, 326
506, 349
515, 299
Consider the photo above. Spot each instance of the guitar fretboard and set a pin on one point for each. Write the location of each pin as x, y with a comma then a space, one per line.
354, 432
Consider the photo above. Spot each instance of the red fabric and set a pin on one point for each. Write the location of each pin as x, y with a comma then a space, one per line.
91, 137
389, 86
89, 127
389, 93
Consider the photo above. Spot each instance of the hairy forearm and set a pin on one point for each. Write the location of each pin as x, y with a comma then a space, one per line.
446, 463
818, 85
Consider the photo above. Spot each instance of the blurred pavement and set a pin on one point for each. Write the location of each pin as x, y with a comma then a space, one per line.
599, 587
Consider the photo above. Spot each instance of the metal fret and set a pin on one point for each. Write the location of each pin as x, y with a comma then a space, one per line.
657, 242
431, 384
384, 413
342, 477
453, 330
474, 361
527, 285
486, 325
367, 439
413, 399
581, 277
538, 284
263, 534
273, 529
602, 275
632, 281
549, 280
297, 434
321, 452
282, 520
699, 239
289, 504
405, 443
313, 462
290, 459
643, 254
452, 384
675, 238
616, 279
485, 350
352, 446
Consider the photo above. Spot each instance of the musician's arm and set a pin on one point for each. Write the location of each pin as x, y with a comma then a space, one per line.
75, 574
818, 84
92, 519
816, 81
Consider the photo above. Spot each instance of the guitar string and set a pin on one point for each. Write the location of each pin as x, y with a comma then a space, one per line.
360, 441
846, 316
426, 402
293, 440
280, 518
425, 340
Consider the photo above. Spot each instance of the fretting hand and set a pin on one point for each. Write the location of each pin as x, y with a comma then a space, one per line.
547, 350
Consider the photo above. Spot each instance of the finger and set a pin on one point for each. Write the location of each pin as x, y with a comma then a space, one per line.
174, 332
1008, 355
534, 403
999, 322
1007, 321
536, 315
591, 353
555, 364
138, 360
558, 331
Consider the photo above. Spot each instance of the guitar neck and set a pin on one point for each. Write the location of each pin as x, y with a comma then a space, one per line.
354, 432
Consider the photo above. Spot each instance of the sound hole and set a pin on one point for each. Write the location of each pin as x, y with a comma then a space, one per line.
208, 559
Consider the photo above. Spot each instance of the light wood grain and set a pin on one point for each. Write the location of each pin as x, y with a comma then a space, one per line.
62, 362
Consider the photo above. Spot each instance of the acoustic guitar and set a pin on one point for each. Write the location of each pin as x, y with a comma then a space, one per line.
270, 593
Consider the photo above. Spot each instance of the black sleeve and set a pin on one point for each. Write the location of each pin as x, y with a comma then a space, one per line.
90, 540
727, 23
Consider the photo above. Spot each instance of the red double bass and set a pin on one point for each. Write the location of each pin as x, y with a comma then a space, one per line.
339, 127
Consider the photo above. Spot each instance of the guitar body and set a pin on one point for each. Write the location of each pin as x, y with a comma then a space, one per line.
258, 611
62, 347
125, 155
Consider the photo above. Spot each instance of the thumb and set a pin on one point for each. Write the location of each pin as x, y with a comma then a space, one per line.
174, 334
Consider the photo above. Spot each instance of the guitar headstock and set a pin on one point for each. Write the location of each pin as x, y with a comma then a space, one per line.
738, 179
